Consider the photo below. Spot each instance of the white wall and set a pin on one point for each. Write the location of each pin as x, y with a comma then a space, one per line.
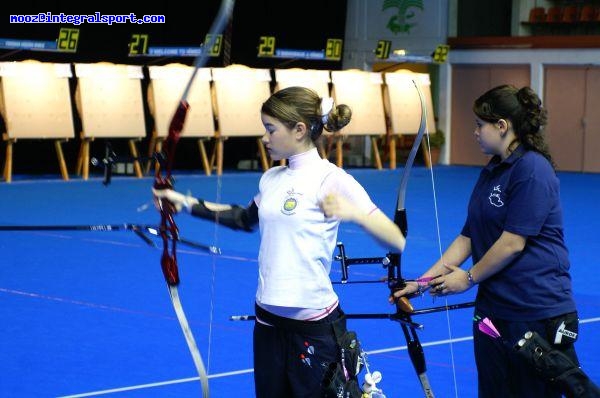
537, 59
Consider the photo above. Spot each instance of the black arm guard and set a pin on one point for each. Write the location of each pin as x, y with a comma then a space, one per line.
235, 218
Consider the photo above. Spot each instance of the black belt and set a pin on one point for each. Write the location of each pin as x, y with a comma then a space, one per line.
330, 324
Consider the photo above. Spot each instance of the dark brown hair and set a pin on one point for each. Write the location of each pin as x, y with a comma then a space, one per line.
523, 108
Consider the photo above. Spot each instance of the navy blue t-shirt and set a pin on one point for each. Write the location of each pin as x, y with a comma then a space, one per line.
521, 195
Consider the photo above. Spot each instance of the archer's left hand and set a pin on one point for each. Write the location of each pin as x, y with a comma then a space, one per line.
337, 206
456, 281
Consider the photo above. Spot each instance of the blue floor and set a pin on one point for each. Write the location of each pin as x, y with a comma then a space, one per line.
88, 313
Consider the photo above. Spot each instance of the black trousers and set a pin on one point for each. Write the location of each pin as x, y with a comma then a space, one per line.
290, 359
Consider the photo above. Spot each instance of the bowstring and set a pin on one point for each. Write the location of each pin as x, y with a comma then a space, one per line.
213, 271
441, 256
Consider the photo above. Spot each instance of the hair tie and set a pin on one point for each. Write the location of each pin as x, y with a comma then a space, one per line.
326, 107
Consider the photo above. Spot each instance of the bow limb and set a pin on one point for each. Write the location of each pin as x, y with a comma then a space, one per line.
189, 338
400, 205
169, 231
395, 280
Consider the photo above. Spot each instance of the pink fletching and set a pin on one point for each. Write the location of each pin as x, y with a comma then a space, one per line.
483, 328
489, 323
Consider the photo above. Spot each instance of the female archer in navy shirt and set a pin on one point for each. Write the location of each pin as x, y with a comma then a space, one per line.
514, 235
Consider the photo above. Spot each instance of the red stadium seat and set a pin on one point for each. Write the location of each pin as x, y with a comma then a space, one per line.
570, 14
537, 15
554, 14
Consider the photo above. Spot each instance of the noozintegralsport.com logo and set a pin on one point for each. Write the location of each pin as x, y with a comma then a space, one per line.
78, 19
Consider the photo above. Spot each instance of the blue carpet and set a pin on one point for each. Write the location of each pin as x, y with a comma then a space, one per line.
88, 314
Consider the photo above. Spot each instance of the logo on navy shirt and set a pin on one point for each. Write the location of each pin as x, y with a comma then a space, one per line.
495, 199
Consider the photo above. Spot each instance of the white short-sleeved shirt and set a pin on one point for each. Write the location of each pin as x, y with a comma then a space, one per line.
297, 240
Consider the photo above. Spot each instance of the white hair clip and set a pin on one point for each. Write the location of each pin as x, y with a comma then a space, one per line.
326, 107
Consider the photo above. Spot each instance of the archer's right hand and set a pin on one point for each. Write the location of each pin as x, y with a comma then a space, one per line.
176, 199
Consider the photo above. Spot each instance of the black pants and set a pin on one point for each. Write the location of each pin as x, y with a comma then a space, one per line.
290, 361
501, 372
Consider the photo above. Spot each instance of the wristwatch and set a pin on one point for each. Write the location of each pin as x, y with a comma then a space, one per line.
470, 278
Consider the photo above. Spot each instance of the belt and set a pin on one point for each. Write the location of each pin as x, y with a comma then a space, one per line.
330, 324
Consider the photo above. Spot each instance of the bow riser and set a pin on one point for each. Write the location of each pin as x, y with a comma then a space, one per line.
168, 228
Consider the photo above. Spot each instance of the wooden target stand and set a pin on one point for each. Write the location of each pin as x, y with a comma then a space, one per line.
110, 103
35, 104
362, 91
